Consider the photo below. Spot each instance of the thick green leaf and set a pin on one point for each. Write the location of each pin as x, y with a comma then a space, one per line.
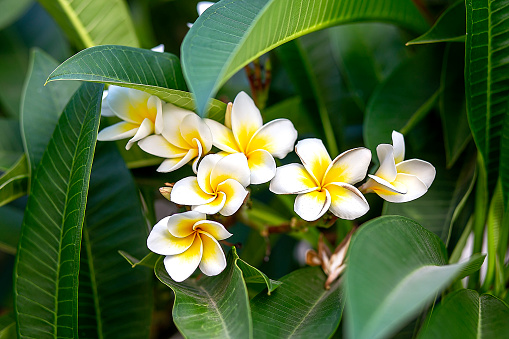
236, 32
114, 221
153, 72
7, 327
14, 182
465, 314
10, 228
94, 22
384, 291
10, 10
42, 105
11, 146
300, 308
47, 262
252, 275
487, 84
450, 26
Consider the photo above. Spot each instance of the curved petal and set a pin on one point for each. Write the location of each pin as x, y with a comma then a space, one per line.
222, 137
105, 108
387, 169
415, 189
398, 142
146, 128
212, 207
421, 169
194, 128
228, 115
311, 206
212, 261
130, 104
276, 137
199, 150
292, 179
118, 131
245, 118
158, 104
262, 166
187, 192
314, 157
169, 165
349, 167
235, 195
160, 147
159, 48
202, 6
233, 166
181, 225
204, 171
213, 228
172, 118
347, 202
375, 183
181, 266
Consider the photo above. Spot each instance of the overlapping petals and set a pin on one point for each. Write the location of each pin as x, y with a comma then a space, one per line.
245, 133
399, 180
188, 240
322, 184
219, 187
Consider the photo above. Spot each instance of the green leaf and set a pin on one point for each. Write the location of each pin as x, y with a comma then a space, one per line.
94, 22
504, 161
300, 308
466, 314
47, 262
292, 109
487, 88
14, 182
7, 327
153, 72
450, 26
256, 27
11, 146
252, 275
10, 10
10, 228
110, 291
384, 291
42, 105
148, 260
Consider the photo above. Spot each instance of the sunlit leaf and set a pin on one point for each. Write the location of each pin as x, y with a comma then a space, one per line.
14, 182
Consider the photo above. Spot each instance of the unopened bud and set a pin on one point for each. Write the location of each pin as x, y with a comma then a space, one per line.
165, 192
228, 115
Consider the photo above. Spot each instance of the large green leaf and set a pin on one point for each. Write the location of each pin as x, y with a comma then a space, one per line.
236, 32
11, 147
10, 10
7, 327
13, 184
94, 22
47, 262
504, 161
384, 291
300, 308
487, 84
153, 72
10, 228
114, 221
465, 314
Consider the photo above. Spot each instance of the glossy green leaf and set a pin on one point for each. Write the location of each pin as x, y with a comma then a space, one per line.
504, 161
7, 327
487, 86
300, 308
14, 182
252, 275
465, 314
110, 291
47, 262
148, 260
153, 72
11, 147
383, 292
10, 10
450, 26
236, 32
94, 22
10, 228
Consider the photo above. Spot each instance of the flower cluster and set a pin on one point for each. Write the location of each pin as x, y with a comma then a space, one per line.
247, 151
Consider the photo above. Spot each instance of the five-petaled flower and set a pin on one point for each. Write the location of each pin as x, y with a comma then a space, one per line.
245, 133
188, 240
397, 180
323, 184
220, 185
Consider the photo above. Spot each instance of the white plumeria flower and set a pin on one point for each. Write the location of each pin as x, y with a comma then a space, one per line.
220, 185
323, 184
200, 8
188, 240
184, 137
397, 180
141, 112
245, 133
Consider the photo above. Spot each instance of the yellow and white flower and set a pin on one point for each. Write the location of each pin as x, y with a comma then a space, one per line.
141, 112
188, 240
184, 137
397, 180
220, 185
245, 133
323, 184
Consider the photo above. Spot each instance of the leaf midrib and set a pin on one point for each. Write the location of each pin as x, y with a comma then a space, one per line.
215, 308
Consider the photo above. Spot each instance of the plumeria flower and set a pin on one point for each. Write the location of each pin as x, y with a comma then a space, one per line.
184, 137
245, 133
397, 180
220, 185
323, 184
188, 240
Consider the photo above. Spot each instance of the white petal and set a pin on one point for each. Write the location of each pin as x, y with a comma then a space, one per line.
181, 266
172, 118
212, 261
118, 131
222, 137
376, 183
173, 164
105, 108
204, 171
421, 169
387, 169
292, 179
146, 128
202, 6
235, 195
233, 166
262, 166
213, 228
415, 189
277, 137
311, 206
398, 142
181, 225
193, 128
349, 167
187, 192
314, 157
246, 119
158, 48
160, 147
130, 104
158, 104
199, 150
212, 207
161, 241
347, 202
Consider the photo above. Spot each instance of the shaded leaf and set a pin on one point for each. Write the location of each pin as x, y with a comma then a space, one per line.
10, 10
504, 161
10, 228
11, 146
7, 327
14, 182
148, 260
